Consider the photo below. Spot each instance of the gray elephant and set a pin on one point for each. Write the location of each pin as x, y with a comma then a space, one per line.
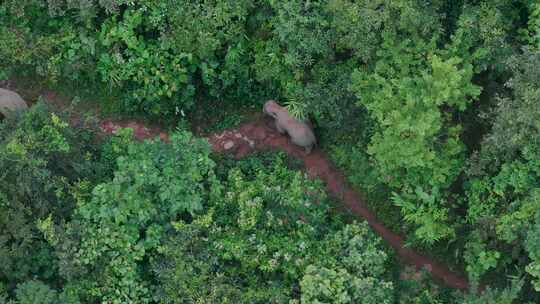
300, 132
11, 102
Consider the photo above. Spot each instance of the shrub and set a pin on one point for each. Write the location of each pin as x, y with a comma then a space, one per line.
265, 241
115, 229
42, 160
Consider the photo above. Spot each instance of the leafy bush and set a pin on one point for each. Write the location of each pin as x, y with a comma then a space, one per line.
124, 219
35, 292
532, 32
503, 194
412, 94
42, 160
357, 279
268, 240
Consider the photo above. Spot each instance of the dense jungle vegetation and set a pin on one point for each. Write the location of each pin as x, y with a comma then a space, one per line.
431, 108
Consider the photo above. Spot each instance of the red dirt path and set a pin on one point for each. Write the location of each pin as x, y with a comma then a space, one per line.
257, 136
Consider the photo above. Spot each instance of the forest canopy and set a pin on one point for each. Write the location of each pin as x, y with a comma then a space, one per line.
430, 108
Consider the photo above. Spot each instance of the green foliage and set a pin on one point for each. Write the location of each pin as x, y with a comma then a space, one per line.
515, 125
296, 57
532, 245
363, 175
161, 57
478, 258
112, 232
507, 295
164, 228
393, 86
423, 210
409, 108
114, 147
41, 160
268, 239
19, 45
215, 33
485, 34
503, 193
35, 292
155, 55
308, 50
355, 281
417, 109
532, 32
211, 116
149, 72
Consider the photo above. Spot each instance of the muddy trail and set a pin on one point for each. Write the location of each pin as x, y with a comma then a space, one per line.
259, 136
